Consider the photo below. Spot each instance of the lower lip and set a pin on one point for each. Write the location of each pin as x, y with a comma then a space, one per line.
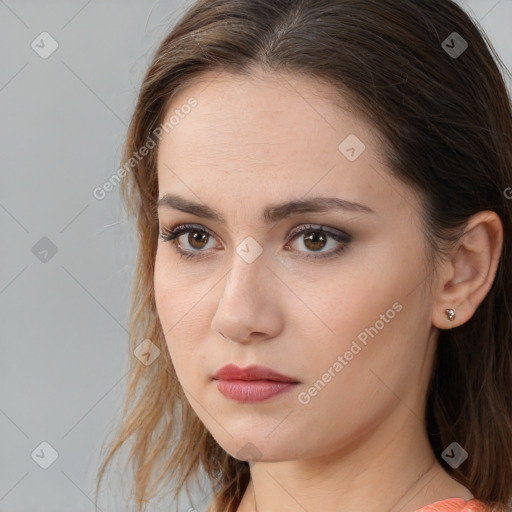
252, 390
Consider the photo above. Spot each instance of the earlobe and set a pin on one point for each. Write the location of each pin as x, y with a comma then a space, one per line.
469, 271
449, 317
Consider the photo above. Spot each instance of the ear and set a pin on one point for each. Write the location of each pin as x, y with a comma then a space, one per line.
466, 276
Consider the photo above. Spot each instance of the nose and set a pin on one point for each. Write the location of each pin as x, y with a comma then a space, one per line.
249, 307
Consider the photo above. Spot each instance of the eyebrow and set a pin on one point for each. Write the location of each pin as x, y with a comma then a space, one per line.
272, 213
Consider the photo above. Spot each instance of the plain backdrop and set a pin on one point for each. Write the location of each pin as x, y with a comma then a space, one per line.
67, 258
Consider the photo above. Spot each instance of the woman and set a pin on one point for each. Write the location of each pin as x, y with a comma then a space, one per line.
322, 194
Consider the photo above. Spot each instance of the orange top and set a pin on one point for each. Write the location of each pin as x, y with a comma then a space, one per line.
454, 505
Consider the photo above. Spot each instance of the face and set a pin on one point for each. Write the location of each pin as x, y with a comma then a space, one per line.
334, 297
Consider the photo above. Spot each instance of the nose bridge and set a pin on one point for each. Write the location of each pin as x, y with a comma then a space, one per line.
244, 303
248, 259
245, 276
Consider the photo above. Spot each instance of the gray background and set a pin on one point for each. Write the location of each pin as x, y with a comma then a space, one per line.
63, 361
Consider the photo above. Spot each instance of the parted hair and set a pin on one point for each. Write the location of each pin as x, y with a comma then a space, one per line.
444, 113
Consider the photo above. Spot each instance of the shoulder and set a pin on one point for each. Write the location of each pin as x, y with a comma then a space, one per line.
454, 505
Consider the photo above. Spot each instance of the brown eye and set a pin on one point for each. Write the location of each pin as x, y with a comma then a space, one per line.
196, 239
187, 239
315, 241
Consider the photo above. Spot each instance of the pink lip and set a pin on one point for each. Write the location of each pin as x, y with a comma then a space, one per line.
252, 384
253, 372
253, 390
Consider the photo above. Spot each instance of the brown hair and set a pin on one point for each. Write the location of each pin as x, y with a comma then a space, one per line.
447, 125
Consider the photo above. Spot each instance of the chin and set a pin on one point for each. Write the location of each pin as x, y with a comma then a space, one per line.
258, 448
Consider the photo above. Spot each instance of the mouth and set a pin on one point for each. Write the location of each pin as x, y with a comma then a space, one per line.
252, 384
246, 391
232, 372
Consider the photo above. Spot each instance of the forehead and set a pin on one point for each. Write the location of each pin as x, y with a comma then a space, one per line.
268, 136
262, 112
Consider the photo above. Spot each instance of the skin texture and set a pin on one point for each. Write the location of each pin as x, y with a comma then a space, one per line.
361, 442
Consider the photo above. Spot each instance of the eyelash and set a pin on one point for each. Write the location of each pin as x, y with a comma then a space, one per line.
172, 235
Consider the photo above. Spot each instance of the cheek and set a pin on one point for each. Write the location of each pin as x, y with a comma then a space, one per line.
180, 301
176, 290
170, 301
363, 316
339, 309
165, 290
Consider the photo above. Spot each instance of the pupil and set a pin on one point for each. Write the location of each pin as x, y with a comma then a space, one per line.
315, 238
197, 238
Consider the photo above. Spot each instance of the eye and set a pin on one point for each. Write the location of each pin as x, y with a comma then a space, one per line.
197, 238
315, 238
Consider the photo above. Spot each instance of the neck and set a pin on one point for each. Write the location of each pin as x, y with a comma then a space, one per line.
387, 469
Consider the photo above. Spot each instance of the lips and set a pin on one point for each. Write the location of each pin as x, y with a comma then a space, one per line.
252, 384
253, 372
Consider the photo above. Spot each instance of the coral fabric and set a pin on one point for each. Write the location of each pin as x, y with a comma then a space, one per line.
454, 505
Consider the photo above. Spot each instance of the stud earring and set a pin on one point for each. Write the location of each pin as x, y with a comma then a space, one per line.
450, 314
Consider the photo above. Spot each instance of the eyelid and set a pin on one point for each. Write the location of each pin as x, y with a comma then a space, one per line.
178, 230
335, 233
301, 228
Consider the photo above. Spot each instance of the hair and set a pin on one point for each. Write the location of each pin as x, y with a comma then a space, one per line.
446, 123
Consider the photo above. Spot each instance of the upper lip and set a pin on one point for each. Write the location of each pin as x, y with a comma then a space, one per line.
253, 372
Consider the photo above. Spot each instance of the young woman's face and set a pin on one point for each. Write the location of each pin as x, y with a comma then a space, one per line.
345, 312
